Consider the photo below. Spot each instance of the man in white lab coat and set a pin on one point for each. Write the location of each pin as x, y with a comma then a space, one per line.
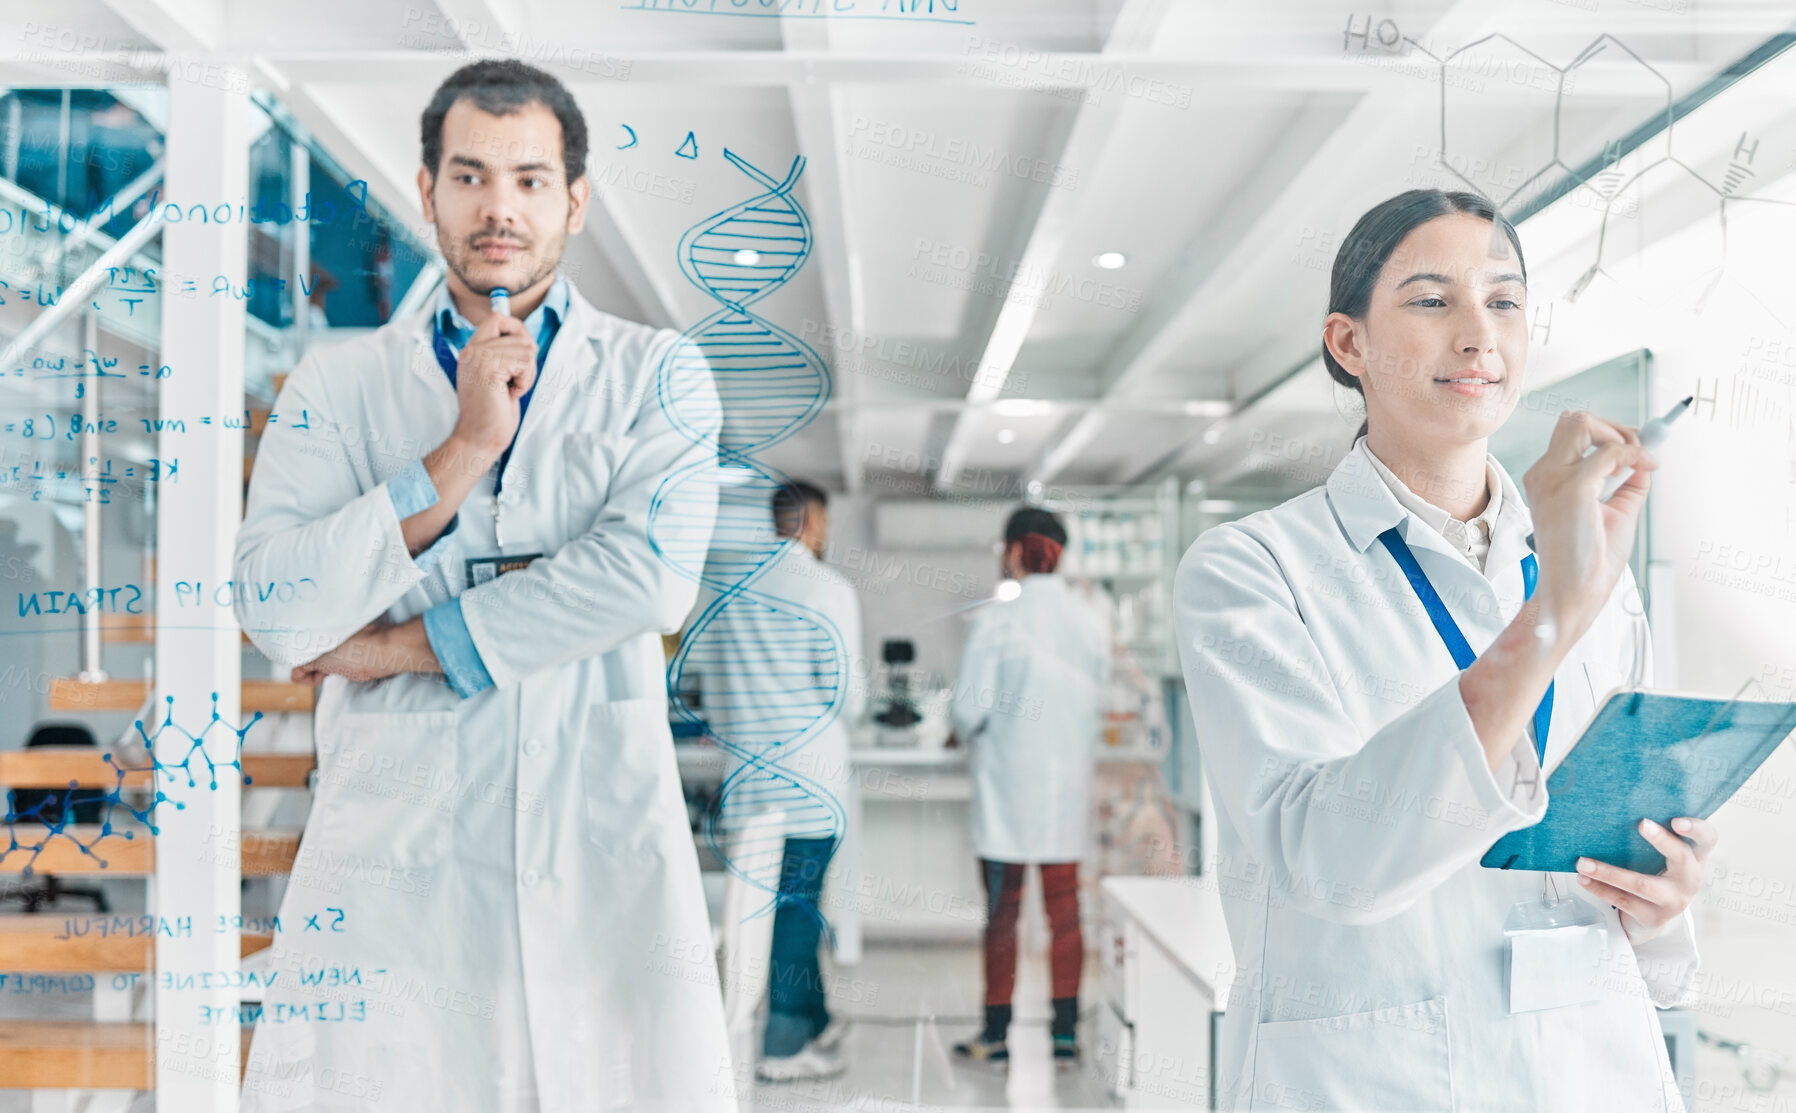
496, 904
1029, 701
780, 704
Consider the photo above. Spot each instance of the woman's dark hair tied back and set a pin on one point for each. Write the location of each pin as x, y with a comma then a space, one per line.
1362, 256
1041, 534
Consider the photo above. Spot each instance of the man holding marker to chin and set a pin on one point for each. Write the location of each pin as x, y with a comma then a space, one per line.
498, 813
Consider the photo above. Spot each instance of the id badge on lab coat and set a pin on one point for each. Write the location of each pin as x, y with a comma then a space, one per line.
1554, 955
484, 570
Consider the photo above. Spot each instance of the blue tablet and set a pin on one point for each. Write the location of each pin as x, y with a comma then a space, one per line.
1645, 755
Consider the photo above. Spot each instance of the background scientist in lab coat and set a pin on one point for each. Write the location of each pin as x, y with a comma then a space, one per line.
1029, 701
496, 905
752, 680
1358, 774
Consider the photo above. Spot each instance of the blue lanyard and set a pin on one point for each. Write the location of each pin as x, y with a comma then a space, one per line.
1449, 629
446, 359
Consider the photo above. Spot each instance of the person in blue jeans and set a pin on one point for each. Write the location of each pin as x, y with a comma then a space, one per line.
764, 690
802, 1039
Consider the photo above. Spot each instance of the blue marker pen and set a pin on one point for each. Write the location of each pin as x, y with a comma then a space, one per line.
501, 301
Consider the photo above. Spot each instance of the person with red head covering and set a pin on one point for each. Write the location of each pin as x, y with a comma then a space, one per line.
1029, 703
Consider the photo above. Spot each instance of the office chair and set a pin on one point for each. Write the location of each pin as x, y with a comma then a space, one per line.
44, 890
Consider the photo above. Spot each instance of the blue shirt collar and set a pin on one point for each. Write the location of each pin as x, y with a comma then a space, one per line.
543, 323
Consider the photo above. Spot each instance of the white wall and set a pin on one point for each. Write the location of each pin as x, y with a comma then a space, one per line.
921, 592
1725, 536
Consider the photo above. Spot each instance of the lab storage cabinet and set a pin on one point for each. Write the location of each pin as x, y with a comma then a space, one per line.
1165, 970
1126, 539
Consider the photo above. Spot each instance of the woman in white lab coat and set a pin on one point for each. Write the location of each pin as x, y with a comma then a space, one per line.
1029, 702
1358, 774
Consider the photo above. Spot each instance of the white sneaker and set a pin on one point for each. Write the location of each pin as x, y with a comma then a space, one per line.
811, 1062
830, 1039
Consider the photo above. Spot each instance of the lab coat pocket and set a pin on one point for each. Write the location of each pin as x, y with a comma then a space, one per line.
627, 774
588, 463
388, 784
1390, 1058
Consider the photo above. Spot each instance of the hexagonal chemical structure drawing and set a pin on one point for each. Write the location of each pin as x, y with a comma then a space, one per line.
1491, 90
1759, 233
1609, 95
1663, 238
1741, 152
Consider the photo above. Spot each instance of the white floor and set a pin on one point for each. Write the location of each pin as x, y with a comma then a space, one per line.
911, 1002
916, 1002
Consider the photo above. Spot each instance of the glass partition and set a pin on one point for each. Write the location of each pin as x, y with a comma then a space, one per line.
82, 282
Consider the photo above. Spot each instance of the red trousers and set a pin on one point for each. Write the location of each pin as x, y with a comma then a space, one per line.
1004, 898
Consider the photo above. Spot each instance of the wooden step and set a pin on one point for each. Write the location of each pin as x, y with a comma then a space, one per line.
265, 853
57, 766
266, 696
70, 1054
84, 1055
30, 944
133, 629
127, 629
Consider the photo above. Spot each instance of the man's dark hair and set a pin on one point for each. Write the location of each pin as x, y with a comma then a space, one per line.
792, 502
1033, 519
500, 88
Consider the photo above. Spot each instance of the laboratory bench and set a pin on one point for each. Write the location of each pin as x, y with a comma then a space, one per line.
906, 868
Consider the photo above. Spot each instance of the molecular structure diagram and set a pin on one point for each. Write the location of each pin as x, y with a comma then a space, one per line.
52, 815
1643, 156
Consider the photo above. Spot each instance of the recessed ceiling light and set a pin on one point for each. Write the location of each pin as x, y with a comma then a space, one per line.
1005, 436
1109, 260
748, 257
1008, 590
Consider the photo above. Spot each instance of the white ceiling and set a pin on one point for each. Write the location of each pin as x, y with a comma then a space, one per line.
1223, 148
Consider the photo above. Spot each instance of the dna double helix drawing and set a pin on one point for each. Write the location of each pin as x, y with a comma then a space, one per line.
768, 385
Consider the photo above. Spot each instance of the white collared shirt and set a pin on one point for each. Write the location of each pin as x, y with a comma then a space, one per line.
1471, 538
769, 670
